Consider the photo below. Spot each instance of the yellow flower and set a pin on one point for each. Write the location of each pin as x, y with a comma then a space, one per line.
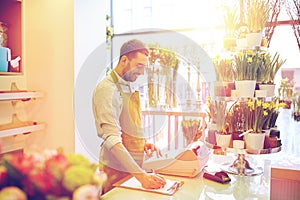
249, 59
258, 102
266, 105
265, 113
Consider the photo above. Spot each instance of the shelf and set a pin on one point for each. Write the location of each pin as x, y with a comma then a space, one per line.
22, 130
6, 96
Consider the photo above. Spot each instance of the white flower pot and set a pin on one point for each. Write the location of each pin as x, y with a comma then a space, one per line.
245, 88
254, 39
270, 88
261, 93
223, 140
241, 43
254, 141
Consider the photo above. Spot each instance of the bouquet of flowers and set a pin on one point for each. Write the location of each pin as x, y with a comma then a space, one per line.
49, 175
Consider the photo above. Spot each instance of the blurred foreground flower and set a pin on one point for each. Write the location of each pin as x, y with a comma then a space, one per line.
49, 175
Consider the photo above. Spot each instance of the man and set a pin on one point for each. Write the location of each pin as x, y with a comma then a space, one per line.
118, 120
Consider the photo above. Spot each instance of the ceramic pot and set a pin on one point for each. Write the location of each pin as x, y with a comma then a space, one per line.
245, 88
254, 39
270, 88
223, 140
254, 141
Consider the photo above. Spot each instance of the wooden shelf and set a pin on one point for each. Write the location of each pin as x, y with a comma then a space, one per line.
22, 130
6, 96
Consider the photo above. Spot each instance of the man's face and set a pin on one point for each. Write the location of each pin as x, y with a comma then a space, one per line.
135, 67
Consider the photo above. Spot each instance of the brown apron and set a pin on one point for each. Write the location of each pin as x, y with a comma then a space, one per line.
132, 135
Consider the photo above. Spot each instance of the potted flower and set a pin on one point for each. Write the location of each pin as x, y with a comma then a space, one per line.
190, 130
231, 22
224, 76
217, 113
267, 70
255, 113
257, 16
285, 92
245, 66
296, 106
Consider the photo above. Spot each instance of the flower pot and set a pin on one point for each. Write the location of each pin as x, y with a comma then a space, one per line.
219, 88
253, 39
261, 93
211, 134
254, 141
245, 88
223, 140
241, 43
270, 88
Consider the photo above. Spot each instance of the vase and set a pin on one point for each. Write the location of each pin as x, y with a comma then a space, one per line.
223, 140
245, 88
254, 39
254, 141
270, 88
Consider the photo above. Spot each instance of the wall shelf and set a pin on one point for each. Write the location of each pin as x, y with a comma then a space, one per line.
23, 95
22, 130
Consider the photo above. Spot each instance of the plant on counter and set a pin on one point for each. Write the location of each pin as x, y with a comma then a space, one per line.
49, 175
296, 106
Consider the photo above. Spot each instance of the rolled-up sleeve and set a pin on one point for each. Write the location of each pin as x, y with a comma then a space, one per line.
107, 105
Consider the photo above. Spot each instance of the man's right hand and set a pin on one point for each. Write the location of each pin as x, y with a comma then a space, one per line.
151, 180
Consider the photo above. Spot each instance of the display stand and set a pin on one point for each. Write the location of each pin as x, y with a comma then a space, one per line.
241, 166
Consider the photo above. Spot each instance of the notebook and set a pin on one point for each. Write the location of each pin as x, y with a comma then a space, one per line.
170, 188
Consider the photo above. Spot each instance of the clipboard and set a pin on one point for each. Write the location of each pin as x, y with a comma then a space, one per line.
131, 182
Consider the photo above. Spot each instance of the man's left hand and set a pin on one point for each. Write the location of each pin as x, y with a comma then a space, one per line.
150, 148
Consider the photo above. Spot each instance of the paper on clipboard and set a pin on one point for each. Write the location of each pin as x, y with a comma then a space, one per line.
170, 188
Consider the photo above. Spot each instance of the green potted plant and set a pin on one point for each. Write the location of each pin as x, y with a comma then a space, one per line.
267, 70
255, 113
296, 106
217, 113
285, 92
245, 66
224, 76
231, 22
257, 16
